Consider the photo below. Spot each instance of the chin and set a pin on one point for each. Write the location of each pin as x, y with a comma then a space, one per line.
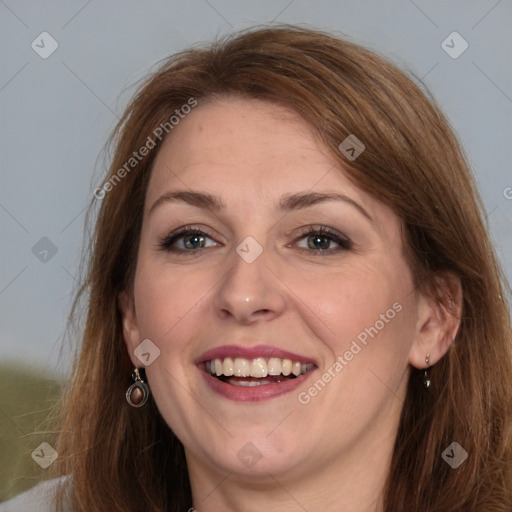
255, 455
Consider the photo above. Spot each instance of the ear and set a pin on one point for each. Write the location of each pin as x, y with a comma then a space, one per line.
130, 329
438, 321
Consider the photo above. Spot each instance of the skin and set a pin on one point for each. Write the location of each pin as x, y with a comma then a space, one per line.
332, 453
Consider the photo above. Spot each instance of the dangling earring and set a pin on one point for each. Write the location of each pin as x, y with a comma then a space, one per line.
138, 393
426, 377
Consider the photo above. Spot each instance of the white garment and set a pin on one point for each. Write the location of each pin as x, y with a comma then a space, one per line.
39, 498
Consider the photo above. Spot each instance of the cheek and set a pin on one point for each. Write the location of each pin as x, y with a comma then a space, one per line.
167, 305
356, 302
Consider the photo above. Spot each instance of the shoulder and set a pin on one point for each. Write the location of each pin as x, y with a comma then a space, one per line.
36, 499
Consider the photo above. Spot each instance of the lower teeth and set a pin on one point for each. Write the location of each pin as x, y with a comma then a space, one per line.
248, 383
240, 381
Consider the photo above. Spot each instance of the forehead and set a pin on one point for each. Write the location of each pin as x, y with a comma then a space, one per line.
247, 144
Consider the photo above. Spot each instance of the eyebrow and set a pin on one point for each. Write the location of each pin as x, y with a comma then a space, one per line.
201, 200
300, 200
287, 203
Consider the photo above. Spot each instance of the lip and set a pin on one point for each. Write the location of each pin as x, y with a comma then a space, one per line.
252, 353
255, 393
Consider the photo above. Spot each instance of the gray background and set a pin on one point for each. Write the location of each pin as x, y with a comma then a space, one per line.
56, 114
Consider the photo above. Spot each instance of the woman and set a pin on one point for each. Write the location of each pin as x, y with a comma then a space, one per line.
293, 303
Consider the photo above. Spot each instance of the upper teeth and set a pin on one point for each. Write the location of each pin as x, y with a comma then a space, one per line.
258, 367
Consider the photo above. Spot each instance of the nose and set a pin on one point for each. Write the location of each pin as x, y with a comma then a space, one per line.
249, 292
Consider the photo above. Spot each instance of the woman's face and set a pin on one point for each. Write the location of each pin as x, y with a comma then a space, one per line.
288, 268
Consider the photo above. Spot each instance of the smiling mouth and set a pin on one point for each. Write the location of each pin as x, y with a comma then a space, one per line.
259, 371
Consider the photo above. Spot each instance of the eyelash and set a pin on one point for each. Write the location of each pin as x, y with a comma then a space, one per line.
344, 243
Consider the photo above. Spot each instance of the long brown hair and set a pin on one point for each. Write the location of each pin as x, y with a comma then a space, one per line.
128, 459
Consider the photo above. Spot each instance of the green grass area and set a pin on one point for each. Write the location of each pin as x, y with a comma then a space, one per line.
27, 418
